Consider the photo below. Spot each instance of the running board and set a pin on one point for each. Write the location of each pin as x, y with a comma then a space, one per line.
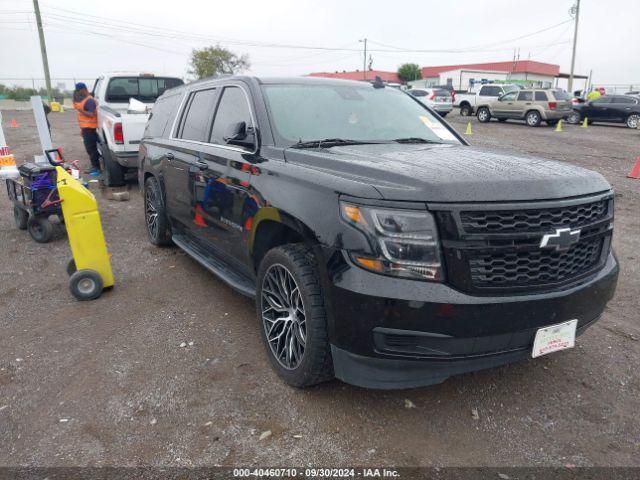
219, 268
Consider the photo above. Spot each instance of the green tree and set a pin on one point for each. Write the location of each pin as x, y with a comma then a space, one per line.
212, 61
409, 72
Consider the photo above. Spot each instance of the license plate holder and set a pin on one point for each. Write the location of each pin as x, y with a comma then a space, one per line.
554, 338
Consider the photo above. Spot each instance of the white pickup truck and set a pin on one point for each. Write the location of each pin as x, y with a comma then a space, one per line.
124, 104
467, 101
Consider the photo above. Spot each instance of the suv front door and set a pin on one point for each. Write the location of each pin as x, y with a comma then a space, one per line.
223, 199
504, 106
598, 109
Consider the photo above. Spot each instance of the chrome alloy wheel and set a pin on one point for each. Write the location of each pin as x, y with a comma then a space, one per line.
283, 316
151, 212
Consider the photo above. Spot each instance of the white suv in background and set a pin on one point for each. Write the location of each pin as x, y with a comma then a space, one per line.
437, 99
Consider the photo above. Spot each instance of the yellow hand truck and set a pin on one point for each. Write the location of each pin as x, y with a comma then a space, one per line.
90, 269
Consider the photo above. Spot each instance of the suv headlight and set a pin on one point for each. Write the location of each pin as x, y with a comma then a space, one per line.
405, 241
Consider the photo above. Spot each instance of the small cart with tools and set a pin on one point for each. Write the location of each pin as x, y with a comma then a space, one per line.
35, 199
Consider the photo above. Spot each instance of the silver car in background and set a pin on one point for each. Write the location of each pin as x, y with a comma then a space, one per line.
437, 99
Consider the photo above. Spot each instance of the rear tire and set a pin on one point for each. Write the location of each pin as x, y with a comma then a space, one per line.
465, 110
155, 214
574, 118
86, 285
533, 118
40, 229
633, 120
290, 303
113, 172
21, 217
484, 115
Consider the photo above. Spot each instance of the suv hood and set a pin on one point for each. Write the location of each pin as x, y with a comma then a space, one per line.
451, 173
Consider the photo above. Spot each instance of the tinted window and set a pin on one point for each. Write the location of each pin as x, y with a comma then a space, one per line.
601, 100
145, 89
509, 97
541, 97
162, 116
490, 91
625, 100
525, 96
418, 93
561, 95
442, 93
196, 121
233, 108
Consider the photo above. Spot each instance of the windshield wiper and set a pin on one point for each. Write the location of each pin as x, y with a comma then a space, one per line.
413, 140
330, 142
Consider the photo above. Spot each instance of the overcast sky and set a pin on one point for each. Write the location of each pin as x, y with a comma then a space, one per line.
86, 38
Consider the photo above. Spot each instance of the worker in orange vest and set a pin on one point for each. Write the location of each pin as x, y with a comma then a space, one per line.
87, 108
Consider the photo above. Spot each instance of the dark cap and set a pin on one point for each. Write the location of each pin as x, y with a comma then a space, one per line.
80, 85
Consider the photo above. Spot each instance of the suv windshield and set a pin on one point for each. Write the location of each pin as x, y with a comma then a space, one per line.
144, 89
355, 113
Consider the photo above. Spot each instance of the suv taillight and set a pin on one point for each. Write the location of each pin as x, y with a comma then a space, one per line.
552, 105
118, 135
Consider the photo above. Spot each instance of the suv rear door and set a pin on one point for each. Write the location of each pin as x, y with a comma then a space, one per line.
523, 103
222, 194
185, 154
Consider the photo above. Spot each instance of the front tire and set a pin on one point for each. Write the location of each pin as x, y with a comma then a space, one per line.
113, 172
155, 214
40, 229
86, 284
533, 118
633, 120
484, 115
465, 110
292, 317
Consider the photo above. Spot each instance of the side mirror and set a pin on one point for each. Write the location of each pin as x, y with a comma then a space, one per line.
239, 134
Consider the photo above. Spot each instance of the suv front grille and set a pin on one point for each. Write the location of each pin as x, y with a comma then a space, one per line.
496, 249
532, 220
534, 267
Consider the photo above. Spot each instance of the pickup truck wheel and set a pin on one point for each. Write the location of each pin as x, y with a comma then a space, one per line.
633, 120
484, 115
155, 214
292, 316
465, 110
113, 174
533, 118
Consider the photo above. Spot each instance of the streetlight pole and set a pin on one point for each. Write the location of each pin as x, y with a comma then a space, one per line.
43, 49
575, 10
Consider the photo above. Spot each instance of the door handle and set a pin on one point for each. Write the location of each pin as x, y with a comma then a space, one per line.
170, 156
528, 103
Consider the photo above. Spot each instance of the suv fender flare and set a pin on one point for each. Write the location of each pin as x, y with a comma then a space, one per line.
276, 215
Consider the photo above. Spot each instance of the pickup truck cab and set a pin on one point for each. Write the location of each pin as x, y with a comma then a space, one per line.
379, 247
468, 101
124, 103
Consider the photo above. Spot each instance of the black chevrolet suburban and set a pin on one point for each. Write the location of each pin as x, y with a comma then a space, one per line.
380, 248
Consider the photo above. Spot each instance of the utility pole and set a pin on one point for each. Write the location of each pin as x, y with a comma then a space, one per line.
43, 50
575, 10
364, 63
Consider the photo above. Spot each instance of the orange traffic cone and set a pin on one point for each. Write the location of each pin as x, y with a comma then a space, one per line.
635, 171
14, 123
197, 218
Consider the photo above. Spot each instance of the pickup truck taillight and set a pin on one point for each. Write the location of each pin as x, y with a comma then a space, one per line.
433, 96
118, 135
553, 105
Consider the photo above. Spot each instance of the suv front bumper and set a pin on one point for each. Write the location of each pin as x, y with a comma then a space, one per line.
392, 333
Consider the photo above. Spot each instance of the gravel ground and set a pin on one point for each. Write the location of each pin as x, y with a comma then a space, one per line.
107, 383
